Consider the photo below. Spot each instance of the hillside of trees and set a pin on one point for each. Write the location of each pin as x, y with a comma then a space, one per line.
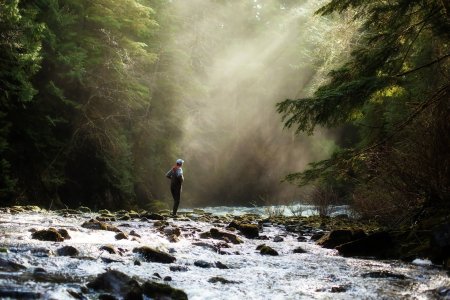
98, 98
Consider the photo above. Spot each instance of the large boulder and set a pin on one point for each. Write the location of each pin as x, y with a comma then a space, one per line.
153, 255
338, 237
378, 245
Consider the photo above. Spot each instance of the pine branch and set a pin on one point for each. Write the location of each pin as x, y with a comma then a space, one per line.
424, 66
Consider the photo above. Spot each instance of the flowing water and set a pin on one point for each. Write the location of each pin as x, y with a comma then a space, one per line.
317, 274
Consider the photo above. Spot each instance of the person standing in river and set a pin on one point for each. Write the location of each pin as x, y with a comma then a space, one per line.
176, 181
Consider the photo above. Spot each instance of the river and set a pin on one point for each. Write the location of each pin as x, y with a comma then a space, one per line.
317, 274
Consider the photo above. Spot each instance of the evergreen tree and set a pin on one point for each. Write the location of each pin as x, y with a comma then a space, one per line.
395, 89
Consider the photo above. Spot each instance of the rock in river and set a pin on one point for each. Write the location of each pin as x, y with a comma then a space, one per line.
117, 283
153, 255
67, 251
50, 234
162, 291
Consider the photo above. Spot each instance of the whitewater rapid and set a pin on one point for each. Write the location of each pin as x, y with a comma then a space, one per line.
317, 274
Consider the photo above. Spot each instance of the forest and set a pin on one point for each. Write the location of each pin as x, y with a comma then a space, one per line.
99, 98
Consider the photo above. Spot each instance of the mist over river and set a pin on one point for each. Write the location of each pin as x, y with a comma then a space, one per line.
204, 267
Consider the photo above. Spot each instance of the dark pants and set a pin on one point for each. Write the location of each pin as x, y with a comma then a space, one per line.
176, 194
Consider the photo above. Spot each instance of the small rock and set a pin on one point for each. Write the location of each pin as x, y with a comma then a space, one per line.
67, 251
278, 239
64, 233
383, 274
203, 264
179, 268
338, 289
156, 290
137, 263
221, 265
97, 225
121, 236
221, 280
154, 255
134, 233
266, 250
109, 248
302, 239
167, 278
299, 250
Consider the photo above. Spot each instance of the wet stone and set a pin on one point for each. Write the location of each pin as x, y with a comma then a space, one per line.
266, 250
299, 250
10, 266
68, 251
220, 265
97, 225
51, 235
203, 264
117, 283
109, 248
383, 274
134, 233
64, 233
41, 252
179, 268
221, 280
167, 278
162, 291
278, 239
121, 236
153, 255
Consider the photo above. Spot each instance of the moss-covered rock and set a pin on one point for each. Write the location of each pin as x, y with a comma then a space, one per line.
266, 250
51, 235
250, 231
97, 225
153, 255
222, 235
162, 291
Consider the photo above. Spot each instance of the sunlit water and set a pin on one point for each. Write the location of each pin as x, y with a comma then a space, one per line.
311, 275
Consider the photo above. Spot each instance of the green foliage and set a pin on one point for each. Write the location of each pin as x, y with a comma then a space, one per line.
395, 88
77, 80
